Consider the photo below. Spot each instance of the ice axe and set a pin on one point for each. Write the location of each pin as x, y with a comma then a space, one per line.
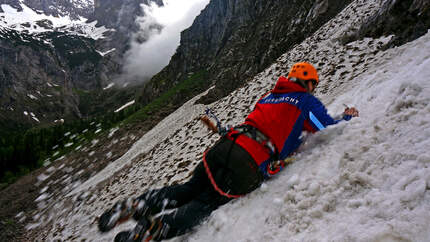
216, 128
347, 109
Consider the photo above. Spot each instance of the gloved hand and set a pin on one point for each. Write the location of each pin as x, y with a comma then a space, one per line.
351, 112
275, 167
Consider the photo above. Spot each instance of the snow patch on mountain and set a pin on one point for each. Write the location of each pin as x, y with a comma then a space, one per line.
27, 18
29, 21
109, 86
83, 4
124, 106
105, 53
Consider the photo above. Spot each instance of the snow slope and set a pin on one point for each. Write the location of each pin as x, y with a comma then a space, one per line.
366, 180
363, 180
30, 21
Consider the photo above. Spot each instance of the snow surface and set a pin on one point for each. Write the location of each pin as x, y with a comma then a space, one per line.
168, 126
125, 105
363, 180
12, 16
32, 96
26, 19
366, 180
84, 4
103, 54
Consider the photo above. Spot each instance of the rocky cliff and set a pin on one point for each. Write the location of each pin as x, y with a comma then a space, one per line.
41, 75
234, 40
75, 9
406, 20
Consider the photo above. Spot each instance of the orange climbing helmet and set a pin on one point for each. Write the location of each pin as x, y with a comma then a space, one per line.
304, 71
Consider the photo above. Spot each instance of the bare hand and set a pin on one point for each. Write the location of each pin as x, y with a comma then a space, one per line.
205, 119
351, 111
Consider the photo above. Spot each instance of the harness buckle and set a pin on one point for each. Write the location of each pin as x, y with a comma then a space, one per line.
258, 136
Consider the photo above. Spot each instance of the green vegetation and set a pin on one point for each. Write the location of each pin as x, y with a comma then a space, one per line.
177, 94
22, 152
95, 103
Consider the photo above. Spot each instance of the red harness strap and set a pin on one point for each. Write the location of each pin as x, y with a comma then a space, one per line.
208, 171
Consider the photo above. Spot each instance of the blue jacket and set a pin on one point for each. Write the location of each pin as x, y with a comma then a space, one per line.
282, 115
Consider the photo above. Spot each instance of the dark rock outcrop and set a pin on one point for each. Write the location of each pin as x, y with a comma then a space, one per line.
407, 20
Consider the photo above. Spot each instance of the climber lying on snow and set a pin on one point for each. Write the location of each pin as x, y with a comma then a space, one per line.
237, 164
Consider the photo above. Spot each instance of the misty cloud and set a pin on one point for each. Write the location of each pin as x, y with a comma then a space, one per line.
159, 36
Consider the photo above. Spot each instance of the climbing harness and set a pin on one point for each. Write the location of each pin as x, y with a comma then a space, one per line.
252, 133
258, 136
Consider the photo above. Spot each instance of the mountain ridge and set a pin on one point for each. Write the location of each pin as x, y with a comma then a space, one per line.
66, 48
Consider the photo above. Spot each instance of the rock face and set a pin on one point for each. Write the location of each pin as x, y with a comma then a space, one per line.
407, 20
234, 40
40, 75
75, 9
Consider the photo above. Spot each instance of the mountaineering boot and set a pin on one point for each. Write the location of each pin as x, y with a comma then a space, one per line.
121, 212
145, 230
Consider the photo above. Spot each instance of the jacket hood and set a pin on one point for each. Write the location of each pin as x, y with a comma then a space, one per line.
283, 85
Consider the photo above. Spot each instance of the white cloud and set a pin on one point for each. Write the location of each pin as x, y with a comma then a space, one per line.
148, 58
